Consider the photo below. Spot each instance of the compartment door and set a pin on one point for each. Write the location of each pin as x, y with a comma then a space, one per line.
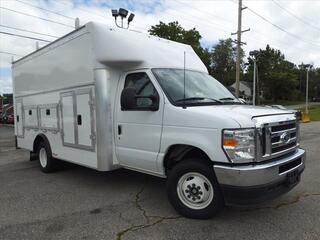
78, 119
68, 118
84, 119
19, 120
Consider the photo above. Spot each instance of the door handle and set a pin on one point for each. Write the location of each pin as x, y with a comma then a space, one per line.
119, 129
79, 119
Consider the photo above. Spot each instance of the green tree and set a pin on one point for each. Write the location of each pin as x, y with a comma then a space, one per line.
278, 78
173, 31
314, 82
223, 58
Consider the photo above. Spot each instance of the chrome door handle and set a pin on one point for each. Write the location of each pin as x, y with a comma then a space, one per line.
119, 129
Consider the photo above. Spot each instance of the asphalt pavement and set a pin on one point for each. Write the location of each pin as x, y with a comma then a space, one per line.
80, 203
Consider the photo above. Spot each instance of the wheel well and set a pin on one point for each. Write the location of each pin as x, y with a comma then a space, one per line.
40, 138
179, 152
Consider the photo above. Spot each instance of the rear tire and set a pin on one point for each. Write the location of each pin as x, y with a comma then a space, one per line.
193, 189
47, 164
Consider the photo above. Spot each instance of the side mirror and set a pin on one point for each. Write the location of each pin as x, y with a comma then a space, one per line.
129, 101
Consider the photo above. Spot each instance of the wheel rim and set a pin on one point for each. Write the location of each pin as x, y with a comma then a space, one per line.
195, 190
43, 157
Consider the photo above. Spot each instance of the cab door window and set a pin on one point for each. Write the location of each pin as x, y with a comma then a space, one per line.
143, 88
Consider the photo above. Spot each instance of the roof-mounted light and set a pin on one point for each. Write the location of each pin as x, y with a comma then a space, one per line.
123, 13
115, 13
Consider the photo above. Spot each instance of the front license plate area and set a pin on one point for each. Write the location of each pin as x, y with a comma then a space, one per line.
293, 177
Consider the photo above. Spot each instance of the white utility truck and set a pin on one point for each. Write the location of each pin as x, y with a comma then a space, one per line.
109, 98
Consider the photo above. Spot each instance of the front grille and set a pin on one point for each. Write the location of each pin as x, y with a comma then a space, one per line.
277, 138
283, 127
283, 147
286, 167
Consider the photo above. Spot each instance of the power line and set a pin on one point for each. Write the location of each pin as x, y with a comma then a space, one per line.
197, 9
9, 53
23, 36
44, 19
28, 31
200, 21
46, 10
81, 9
280, 28
295, 16
95, 14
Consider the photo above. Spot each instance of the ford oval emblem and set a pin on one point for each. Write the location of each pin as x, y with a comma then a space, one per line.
285, 137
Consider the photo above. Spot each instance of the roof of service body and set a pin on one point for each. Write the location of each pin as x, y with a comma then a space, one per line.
118, 47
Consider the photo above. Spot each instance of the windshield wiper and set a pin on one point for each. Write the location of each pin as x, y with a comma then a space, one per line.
227, 98
197, 98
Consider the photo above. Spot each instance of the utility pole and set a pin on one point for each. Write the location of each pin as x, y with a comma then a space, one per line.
308, 67
238, 42
258, 86
254, 55
254, 82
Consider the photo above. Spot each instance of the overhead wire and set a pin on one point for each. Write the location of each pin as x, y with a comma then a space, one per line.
81, 9
28, 31
96, 14
30, 15
253, 30
280, 28
295, 16
23, 36
46, 10
9, 53
208, 13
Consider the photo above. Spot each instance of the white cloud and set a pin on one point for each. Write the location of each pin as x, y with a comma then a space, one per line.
214, 19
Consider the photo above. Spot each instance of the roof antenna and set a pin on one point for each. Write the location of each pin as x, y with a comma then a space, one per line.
77, 23
184, 80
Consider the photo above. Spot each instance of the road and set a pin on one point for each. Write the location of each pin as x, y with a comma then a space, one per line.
79, 203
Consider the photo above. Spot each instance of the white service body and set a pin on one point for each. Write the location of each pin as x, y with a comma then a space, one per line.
69, 91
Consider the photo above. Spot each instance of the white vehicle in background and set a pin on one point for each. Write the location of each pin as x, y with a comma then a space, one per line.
111, 98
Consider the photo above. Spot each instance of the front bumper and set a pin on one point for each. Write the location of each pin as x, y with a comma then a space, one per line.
254, 183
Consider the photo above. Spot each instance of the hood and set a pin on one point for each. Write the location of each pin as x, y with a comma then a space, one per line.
255, 111
219, 116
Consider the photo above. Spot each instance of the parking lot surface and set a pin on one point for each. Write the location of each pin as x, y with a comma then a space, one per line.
80, 203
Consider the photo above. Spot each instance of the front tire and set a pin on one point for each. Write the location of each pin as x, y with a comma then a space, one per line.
46, 162
193, 189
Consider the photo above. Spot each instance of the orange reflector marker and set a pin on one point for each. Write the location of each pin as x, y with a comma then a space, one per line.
229, 142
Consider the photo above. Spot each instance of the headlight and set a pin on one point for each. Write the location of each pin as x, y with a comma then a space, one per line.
239, 145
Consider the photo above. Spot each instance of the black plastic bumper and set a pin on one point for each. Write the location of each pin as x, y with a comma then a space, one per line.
253, 195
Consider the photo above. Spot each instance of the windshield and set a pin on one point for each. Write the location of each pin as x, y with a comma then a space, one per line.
200, 88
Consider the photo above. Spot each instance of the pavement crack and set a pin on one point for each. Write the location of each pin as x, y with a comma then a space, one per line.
134, 228
151, 220
296, 199
284, 204
139, 206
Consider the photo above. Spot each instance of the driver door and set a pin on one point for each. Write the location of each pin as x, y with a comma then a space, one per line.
138, 131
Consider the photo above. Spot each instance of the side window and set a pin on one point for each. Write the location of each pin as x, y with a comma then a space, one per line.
143, 87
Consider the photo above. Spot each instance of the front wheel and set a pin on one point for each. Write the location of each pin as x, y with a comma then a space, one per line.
193, 189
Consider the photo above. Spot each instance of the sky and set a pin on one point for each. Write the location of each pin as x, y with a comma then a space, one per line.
293, 26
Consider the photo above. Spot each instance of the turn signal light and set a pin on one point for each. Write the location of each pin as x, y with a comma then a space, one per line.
229, 143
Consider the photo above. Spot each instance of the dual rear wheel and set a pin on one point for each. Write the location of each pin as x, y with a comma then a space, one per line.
46, 162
